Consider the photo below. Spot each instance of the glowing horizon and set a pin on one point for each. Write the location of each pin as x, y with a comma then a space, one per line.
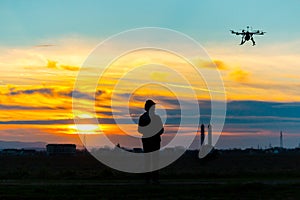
39, 65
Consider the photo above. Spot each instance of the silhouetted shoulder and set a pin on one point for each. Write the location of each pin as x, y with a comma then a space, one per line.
144, 119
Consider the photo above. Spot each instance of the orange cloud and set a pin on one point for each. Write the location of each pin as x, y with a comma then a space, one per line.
210, 64
53, 65
239, 75
70, 68
220, 64
39, 102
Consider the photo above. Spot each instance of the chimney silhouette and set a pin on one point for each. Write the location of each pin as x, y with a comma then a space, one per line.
209, 134
202, 136
281, 142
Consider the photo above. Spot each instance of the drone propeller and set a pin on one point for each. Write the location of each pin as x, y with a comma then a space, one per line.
261, 32
234, 32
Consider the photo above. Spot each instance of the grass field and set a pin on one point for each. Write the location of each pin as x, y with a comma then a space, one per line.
219, 176
168, 189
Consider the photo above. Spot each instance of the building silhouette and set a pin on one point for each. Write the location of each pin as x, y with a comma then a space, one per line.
61, 149
18, 152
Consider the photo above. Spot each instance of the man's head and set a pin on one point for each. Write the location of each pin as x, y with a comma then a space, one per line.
149, 103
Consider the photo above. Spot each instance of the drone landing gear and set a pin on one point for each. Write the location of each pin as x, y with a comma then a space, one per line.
253, 42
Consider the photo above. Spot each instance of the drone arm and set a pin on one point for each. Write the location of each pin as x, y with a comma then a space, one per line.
237, 33
262, 33
258, 33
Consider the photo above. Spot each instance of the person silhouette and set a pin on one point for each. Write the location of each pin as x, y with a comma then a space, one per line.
151, 128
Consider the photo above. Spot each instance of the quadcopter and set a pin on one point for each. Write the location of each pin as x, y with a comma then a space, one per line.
248, 35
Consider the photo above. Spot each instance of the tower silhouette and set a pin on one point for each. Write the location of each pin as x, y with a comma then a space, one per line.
209, 135
202, 136
281, 142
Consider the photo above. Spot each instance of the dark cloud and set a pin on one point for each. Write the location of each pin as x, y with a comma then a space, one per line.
242, 116
259, 115
44, 45
76, 94
18, 107
247, 115
44, 91
62, 121
51, 92
263, 109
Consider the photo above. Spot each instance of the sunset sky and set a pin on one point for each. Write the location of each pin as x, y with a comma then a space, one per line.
43, 45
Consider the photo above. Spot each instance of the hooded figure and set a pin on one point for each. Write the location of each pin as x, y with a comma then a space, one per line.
151, 127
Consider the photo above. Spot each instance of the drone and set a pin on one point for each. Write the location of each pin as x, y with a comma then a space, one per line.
248, 35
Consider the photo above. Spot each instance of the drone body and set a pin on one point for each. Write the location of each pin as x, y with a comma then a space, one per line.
248, 35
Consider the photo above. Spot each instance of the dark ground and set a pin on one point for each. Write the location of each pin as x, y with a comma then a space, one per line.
167, 190
222, 175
